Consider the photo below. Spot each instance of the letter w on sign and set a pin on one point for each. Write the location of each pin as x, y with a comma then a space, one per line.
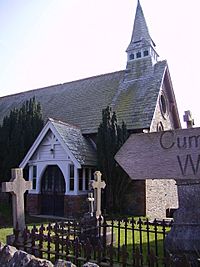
162, 155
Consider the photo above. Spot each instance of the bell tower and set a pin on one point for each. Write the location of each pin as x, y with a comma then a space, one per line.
141, 50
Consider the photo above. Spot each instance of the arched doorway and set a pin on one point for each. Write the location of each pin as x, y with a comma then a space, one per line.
52, 191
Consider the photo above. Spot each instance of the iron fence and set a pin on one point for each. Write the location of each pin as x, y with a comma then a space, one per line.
121, 242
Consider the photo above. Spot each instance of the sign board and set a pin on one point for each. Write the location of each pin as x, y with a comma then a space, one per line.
162, 155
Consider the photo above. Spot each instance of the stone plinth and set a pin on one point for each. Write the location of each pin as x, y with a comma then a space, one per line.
89, 227
184, 237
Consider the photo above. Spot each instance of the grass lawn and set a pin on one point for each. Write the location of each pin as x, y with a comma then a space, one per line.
123, 235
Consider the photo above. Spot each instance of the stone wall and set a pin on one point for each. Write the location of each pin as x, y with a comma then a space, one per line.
135, 199
160, 196
11, 257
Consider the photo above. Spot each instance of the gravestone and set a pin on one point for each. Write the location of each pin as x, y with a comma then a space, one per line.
17, 187
171, 155
91, 204
97, 184
89, 221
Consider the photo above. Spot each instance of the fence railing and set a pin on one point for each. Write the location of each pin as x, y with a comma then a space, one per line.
122, 242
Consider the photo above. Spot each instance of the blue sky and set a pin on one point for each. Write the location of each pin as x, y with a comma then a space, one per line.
46, 42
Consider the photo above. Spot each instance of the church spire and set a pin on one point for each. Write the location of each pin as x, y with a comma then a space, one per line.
141, 44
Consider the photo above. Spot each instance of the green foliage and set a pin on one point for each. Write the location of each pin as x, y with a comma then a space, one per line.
5, 214
110, 138
17, 134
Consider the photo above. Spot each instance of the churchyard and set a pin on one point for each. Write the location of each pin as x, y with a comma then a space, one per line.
96, 237
108, 241
131, 239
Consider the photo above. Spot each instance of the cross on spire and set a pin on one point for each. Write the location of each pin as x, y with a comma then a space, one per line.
17, 187
97, 185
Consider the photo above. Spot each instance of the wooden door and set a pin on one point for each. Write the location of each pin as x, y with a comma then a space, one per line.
52, 191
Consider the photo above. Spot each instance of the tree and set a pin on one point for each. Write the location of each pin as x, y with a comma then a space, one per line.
110, 138
17, 133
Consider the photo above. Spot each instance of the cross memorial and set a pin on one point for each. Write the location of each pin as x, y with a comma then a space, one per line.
17, 187
173, 154
187, 117
98, 185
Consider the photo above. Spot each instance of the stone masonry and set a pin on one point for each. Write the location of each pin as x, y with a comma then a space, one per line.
11, 257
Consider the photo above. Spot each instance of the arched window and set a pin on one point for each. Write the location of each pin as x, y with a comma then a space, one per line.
160, 127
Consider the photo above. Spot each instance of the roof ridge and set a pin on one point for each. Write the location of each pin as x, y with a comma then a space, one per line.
64, 123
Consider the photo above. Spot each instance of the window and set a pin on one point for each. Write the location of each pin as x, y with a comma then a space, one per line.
138, 55
131, 57
163, 105
146, 53
71, 177
80, 179
87, 179
160, 127
34, 177
34, 171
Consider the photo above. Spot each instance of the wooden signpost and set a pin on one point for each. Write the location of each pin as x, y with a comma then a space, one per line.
171, 155
162, 155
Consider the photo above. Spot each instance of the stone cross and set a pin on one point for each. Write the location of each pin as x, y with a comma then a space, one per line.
187, 117
97, 185
17, 187
91, 203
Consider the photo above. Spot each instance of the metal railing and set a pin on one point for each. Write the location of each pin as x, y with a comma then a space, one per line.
107, 242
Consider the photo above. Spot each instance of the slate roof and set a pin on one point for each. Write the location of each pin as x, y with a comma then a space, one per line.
81, 102
137, 101
81, 147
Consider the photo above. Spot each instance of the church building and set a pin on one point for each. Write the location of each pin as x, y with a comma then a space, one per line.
62, 160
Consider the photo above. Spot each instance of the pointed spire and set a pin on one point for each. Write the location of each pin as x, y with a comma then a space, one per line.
141, 48
140, 29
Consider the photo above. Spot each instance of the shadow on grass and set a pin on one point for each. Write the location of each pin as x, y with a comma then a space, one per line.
153, 250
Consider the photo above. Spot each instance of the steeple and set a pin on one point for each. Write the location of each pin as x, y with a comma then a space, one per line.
141, 45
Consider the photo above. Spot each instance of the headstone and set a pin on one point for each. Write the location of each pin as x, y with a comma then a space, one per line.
171, 155
91, 203
89, 222
17, 187
98, 185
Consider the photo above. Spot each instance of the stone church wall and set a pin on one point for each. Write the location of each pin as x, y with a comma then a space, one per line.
134, 202
160, 196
